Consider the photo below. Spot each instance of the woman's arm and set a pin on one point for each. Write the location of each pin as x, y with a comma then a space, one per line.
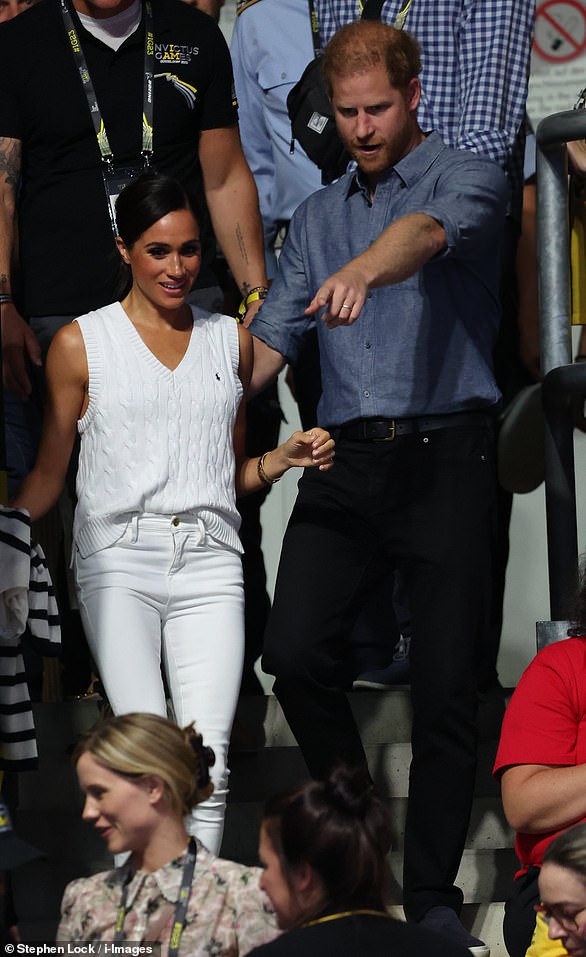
304, 449
67, 378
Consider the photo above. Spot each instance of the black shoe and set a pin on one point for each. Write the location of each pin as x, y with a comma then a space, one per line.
445, 921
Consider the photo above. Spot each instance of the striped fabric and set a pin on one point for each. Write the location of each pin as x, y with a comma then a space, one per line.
475, 56
27, 605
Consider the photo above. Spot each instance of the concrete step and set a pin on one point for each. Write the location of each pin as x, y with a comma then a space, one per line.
485, 921
256, 774
382, 716
488, 827
484, 875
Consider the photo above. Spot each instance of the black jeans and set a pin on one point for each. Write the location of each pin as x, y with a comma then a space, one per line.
519, 919
425, 504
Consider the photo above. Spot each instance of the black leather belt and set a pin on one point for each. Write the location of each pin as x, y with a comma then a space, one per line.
386, 430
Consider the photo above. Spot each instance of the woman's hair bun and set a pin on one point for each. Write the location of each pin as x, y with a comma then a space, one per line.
349, 790
204, 756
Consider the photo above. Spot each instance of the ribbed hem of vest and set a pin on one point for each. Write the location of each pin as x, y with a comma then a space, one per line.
99, 533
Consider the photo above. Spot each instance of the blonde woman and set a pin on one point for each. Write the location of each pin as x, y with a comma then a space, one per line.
141, 775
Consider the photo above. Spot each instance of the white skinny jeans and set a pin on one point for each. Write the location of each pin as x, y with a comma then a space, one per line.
167, 592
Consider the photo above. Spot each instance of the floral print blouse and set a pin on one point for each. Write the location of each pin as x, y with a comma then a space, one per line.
227, 915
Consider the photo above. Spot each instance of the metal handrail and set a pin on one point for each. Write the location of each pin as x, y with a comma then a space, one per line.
562, 380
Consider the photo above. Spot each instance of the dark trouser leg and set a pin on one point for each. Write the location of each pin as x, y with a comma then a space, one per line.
488, 675
306, 380
512, 376
427, 501
519, 920
327, 562
323, 725
376, 631
263, 421
448, 580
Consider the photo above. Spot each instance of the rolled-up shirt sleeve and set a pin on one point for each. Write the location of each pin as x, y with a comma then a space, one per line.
470, 202
282, 323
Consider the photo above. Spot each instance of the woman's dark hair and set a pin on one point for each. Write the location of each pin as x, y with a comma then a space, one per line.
578, 628
144, 201
340, 827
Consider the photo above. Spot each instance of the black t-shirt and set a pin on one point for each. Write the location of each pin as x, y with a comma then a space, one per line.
361, 935
69, 264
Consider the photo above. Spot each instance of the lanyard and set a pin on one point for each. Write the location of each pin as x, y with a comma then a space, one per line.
84, 73
347, 913
180, 908
369, 10
375, 11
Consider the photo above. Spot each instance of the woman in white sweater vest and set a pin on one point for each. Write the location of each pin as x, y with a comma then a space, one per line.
154, 387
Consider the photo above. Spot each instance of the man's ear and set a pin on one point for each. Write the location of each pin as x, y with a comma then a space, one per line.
413, 93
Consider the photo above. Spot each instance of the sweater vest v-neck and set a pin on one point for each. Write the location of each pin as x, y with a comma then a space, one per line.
155, 440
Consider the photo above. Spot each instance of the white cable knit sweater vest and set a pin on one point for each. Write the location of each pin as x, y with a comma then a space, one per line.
154, 440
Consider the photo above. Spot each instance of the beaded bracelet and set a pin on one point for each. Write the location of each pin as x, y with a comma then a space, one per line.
5, 297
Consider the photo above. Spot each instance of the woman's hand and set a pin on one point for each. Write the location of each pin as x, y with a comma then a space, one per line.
314, 448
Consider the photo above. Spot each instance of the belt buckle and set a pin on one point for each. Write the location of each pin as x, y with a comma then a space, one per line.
392, 432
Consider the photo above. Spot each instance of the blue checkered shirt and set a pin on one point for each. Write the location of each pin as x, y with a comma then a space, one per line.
475, 58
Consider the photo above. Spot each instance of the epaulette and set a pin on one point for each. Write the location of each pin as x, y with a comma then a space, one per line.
241, 5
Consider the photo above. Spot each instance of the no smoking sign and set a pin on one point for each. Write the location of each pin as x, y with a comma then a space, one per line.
560, 30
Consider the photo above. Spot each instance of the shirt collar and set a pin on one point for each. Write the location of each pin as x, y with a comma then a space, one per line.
167, 878
410, 169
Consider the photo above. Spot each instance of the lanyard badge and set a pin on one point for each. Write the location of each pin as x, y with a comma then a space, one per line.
116, 177
180, 917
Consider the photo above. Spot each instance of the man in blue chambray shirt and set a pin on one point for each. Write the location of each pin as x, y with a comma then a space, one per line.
398, 265
475, 70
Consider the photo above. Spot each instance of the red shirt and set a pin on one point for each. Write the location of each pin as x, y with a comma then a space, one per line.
545, 723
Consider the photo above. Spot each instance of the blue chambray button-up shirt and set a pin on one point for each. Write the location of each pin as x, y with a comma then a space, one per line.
422, 346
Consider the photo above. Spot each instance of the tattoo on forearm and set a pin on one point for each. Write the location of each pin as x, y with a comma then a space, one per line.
4, 281
10, 161
241, 243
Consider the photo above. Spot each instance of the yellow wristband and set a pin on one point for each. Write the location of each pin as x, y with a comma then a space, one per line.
259, 292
